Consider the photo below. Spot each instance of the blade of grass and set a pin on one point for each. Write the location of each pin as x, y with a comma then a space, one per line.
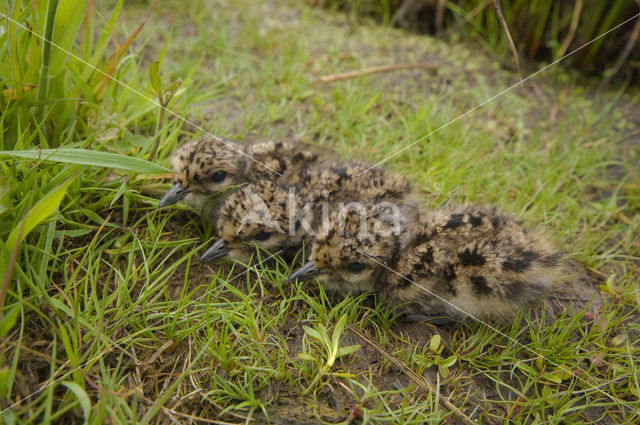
68, 18
92, 158
43, 89
41, 210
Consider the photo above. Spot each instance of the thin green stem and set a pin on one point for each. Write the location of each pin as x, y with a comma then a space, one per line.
43, 90
156, 134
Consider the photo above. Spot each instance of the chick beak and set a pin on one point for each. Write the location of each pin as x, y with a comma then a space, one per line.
174, 194
305, 272
217, 250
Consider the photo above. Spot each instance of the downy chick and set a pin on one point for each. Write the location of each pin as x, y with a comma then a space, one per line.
277, 218
264, 215
452, 262
206, 167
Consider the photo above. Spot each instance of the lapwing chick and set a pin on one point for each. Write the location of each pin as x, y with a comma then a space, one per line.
278, 218
453, 262
208, 166
264, 215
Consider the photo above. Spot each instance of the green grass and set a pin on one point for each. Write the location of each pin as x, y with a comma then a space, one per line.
541, 30
107, 298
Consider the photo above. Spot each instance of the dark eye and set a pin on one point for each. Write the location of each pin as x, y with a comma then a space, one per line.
218, 176
355, 267
262, 236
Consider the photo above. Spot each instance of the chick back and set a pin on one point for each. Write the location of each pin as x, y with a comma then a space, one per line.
473, 260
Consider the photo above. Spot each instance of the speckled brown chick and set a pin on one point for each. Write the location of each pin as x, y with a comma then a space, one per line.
278, 218
264, 215
452, 262
205, 167
347, 181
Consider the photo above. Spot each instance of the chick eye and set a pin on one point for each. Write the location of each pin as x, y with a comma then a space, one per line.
355, 267
218, 176
262, 236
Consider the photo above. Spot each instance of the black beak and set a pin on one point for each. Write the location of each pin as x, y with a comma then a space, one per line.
304, 272
215, 251
174, 194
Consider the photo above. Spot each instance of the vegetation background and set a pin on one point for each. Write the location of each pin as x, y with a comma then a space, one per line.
540, 30
105, 313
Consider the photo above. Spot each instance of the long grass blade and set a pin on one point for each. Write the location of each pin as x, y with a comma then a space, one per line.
43, 90
91, 158
67, 23
41, 210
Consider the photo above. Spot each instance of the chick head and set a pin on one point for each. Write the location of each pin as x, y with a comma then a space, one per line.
354, 246
262, 215
203, 168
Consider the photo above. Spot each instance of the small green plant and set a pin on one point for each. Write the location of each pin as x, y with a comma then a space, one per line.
436, 347
164, 95
330, 345
610, 288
